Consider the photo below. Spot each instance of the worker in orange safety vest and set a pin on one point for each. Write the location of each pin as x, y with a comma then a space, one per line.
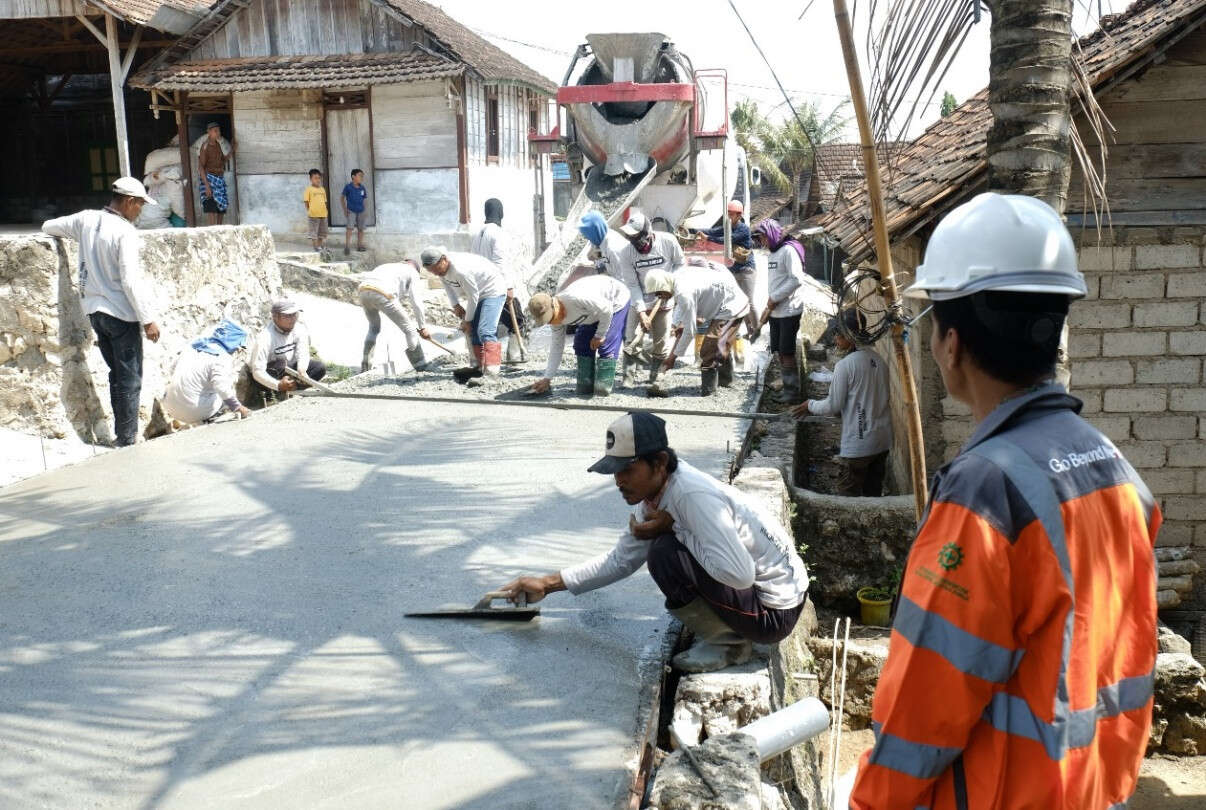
1022, 655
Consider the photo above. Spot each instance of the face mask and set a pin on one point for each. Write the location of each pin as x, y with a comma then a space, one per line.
643, 243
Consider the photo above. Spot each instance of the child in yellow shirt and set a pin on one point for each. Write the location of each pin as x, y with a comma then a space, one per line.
315, 199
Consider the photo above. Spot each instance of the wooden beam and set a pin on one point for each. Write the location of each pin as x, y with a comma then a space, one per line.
76, 46
186, 158
116, 81
130, 51
96, 32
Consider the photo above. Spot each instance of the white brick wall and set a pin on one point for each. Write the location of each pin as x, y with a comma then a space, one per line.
1137, 348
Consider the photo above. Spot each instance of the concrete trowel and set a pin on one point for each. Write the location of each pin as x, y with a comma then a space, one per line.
484, 609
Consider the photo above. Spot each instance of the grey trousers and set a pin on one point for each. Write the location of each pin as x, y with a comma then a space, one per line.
374, 303
748, 282
659, 333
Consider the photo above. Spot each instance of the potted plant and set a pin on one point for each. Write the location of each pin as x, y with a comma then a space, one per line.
875, 605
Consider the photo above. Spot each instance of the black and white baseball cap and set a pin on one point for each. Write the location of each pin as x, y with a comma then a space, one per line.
632, 435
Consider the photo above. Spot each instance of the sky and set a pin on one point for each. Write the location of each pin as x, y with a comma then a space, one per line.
803, 51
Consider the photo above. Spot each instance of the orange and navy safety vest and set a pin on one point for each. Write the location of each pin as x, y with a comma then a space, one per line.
1022, 656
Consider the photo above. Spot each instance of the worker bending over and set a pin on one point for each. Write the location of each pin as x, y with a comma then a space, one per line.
785, 280
597, 306
645, 250
743, 268
859, 393
381, 290
1019, 672
707, 297
203, 381
476, 289
491, 242
729, 571
284, 343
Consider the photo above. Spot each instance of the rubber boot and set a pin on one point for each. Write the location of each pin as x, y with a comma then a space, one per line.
629, 378
416, 358
791, 386
716, 645
514, 353
366, 360
586, 375
491, 360
605, 376
467, 373
726, 371
655, 390
707, 381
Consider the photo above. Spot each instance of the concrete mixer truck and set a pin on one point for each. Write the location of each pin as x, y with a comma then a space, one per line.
640, 126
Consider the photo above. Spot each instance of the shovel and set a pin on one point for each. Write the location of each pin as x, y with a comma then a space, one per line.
484, 609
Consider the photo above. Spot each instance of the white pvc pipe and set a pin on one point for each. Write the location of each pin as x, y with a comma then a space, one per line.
788, 727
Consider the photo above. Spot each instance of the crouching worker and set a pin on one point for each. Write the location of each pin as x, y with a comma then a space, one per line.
284, 343
597, 306
381, 291
203, 382
709, 296
476, 290
729, 571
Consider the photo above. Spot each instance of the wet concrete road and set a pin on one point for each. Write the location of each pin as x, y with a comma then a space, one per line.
215, 620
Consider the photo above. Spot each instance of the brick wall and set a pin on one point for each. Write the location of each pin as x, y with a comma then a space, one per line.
1137, 345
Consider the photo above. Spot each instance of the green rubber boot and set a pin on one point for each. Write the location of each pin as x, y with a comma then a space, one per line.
605, 376
586, 375
707, 381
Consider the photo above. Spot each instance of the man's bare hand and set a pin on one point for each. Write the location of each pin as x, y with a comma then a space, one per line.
801, 410
655, 526
458, 311
595, 343
152, 331
243, 412
286, 385
467, 327
646, 321
542, 385
534, 588
423, 333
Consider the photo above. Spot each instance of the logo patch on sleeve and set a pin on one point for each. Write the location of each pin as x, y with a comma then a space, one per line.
950, 557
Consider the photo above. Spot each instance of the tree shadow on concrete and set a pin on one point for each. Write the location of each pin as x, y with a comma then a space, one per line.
147, 648
1153, 793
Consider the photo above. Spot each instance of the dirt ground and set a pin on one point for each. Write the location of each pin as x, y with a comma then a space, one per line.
1165, 783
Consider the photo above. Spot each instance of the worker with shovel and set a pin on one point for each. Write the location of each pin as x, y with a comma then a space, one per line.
729, 571
381, 290
646, 250
482, 288
597, 306
706, 296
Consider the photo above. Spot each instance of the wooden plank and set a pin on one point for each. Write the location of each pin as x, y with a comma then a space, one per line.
1154, 122
411, 130
279, 132
1139, 219
348, 147
1162, 83
1153, 161
1130, 194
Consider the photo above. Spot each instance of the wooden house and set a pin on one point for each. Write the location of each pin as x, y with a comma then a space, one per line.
436, 116
1137, 343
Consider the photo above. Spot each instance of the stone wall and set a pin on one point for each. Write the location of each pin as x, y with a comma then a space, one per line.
1137, 345
53, 380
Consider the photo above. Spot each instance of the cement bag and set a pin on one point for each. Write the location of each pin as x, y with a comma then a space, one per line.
161, 159
172, 194
153, 216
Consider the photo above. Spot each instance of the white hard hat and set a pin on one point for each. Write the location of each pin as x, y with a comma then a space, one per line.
637, 224
131, 187
659, 281
1000, 242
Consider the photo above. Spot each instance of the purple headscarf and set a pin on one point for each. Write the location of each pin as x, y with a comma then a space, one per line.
772, 231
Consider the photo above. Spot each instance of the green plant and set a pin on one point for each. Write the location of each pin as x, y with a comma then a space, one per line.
874, 594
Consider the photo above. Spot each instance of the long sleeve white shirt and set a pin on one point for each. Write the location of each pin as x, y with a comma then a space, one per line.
271, 344
110, 273
727, 533
492, 243
200, 383
469, 279
397, 279
703, 295
666, 254
859, 392
593, 299
784, 278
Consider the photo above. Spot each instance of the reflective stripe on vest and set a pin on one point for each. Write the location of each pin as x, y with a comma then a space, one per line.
965, 651
915, 759
1011, 714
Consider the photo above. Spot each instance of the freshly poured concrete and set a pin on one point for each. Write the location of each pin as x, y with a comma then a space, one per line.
214, 620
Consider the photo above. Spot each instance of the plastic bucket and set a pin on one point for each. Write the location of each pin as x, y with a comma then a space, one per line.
874, 612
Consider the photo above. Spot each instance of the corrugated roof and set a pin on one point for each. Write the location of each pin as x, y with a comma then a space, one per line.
274, 72
488, 60
142, 11
952, 153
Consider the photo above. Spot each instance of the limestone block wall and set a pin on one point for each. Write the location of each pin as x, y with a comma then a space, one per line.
53, 380
1137, 347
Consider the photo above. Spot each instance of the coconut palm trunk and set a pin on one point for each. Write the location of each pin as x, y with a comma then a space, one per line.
1029, 91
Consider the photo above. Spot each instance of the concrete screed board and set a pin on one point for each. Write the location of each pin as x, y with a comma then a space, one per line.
215, 619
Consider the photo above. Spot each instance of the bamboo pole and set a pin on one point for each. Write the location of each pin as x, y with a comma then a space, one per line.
884, 255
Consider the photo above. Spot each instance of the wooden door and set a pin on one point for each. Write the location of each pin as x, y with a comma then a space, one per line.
349, 142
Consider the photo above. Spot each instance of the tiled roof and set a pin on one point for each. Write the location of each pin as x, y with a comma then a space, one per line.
767, 206
952, 153
488, 60
266, 73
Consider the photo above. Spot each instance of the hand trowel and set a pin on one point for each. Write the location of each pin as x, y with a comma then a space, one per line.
484, 609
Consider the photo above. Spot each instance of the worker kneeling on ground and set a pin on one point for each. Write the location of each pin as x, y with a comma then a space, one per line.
1020, 667
706, 296
203, 382
859, 393
729, 571
284, 343
597, 307
381, 291
476, 290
